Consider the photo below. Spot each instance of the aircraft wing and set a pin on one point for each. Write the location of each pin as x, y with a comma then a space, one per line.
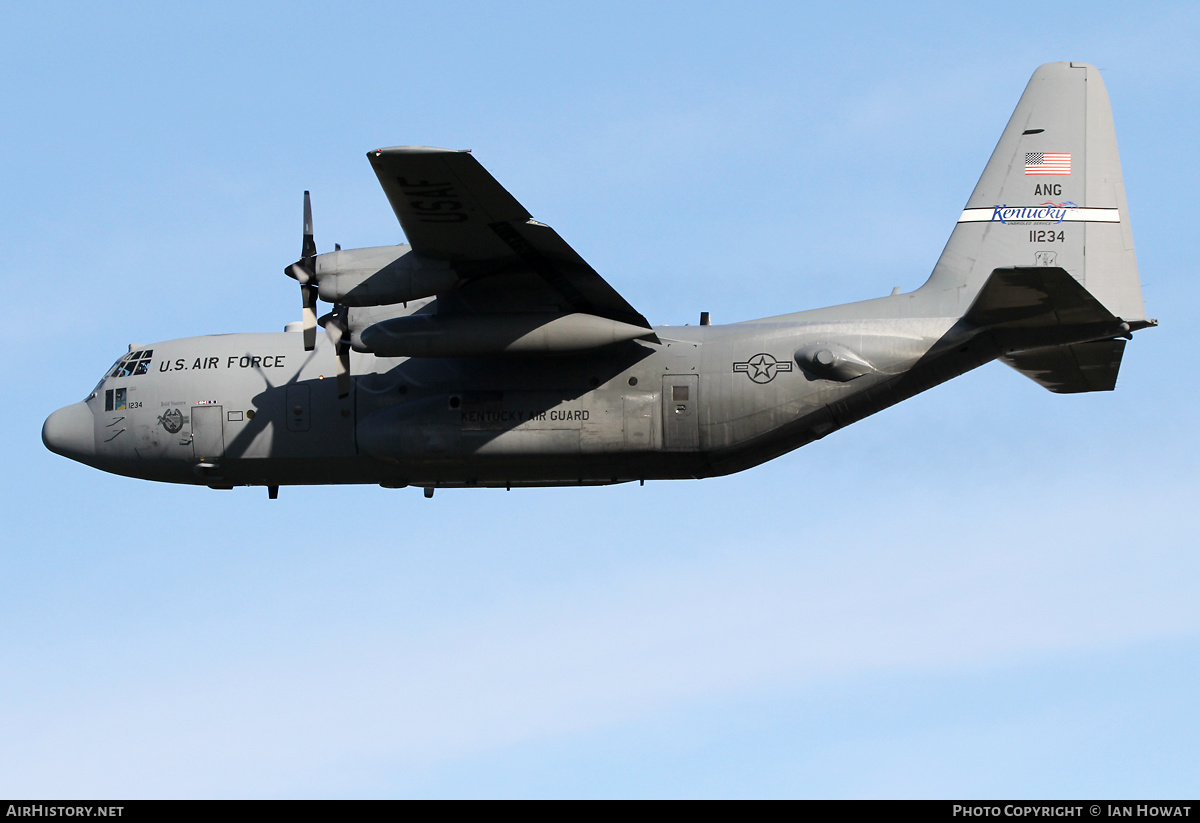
451, 208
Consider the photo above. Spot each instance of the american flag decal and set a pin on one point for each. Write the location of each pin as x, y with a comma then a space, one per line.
1048, 162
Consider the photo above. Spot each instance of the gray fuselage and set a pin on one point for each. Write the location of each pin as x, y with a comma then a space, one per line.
256, 409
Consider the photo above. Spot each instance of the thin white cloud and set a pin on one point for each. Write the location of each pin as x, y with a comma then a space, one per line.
777, 612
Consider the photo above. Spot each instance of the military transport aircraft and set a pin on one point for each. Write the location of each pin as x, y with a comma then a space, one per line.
486, 352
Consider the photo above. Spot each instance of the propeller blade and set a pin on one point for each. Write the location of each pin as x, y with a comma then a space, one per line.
337, 327
343, 370
302, 271
308, 250
308, 314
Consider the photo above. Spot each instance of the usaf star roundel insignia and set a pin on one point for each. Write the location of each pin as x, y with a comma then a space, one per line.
762, 368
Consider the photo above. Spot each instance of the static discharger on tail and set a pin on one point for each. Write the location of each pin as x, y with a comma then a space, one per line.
486, 352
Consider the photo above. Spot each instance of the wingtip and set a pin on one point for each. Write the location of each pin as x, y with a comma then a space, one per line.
394, 150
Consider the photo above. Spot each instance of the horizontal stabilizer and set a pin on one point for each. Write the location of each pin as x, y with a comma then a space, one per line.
1082, 367
1036, 296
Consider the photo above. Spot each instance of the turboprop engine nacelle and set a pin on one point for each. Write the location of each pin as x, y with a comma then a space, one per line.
429, 335
380, 275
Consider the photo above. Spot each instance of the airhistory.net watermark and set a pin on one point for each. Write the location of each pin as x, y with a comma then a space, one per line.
41, 810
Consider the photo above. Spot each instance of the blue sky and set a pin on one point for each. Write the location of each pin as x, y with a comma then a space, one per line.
986, 591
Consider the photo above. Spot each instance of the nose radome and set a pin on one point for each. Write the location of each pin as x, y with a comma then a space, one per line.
70, 431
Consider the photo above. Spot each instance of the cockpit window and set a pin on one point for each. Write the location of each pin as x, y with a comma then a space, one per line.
136, 362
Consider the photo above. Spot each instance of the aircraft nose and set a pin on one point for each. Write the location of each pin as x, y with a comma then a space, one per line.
71, 432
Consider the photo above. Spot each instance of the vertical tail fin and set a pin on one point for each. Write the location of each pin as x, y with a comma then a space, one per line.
1051, 195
